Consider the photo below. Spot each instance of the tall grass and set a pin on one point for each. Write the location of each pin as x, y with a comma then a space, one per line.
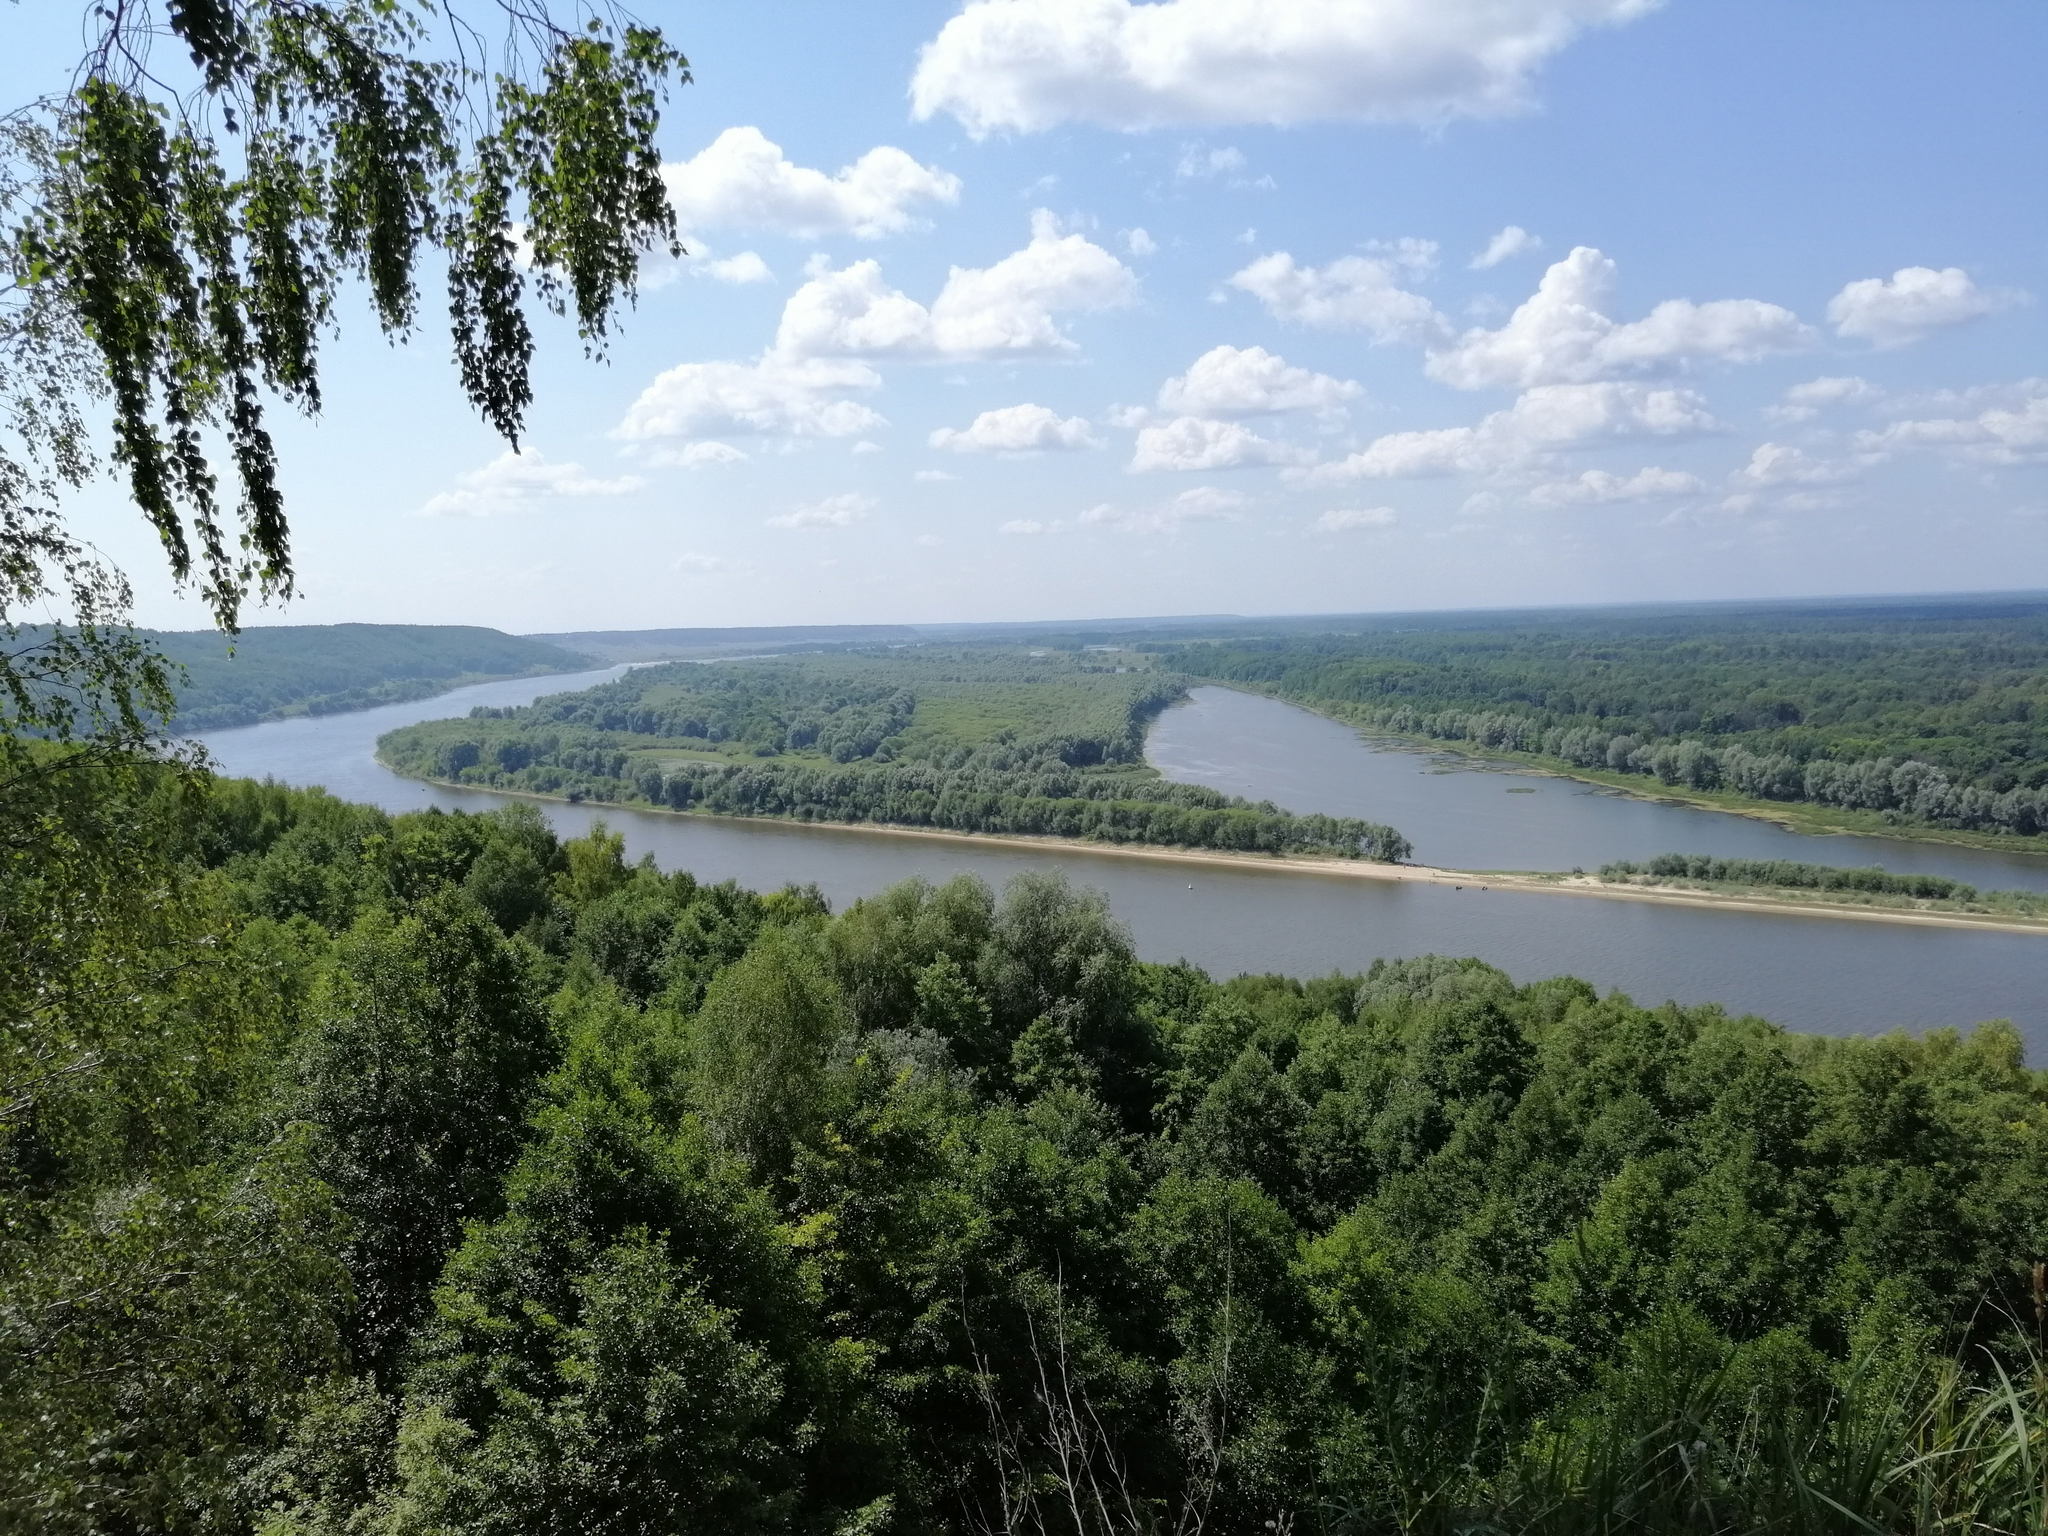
1684, 1446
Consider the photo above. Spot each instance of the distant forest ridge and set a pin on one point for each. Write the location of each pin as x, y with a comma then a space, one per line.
278, 671
1915, 712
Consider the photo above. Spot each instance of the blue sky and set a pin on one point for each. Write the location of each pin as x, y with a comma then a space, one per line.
1060, 308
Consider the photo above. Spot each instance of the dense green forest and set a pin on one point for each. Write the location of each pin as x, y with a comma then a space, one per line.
977, 739
1934, 714
1870, 884
427, 1174
323, 669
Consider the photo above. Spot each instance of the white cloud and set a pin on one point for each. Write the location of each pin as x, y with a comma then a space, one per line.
1774, 464
1196, 443
1805, 401
1197, 504
933, 475
1561, 336
1542, 421
1007, 308
1509, 243
709, 565
696, 455
852, 312
518, 482
747, 267
1198, 165
2014, 431
1915, 302
800, 397
1597, 487
1032, 64
1015, 429
743, 181
1351, 293
1250, 381
841, 511
1138, 243
1030, 525
1349, 519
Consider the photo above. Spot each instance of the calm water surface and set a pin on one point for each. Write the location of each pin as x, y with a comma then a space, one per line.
1806, 973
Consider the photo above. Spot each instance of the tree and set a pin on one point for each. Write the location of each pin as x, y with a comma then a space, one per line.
417, 1077
760, 1044
197, 226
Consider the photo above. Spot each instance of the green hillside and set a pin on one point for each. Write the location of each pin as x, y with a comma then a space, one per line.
324, 669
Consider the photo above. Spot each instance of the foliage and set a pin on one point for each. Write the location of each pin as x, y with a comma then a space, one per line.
194, 227
1933, 714
1869, 884
968, 740
369, 1173
277, 671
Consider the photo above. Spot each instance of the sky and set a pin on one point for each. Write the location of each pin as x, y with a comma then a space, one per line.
1052, 309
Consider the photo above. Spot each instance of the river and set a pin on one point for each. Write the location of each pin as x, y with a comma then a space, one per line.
1811, 973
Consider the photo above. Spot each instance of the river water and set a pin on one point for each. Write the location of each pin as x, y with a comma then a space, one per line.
1812, 973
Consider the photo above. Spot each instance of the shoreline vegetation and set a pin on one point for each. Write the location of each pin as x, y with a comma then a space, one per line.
1800, 903
983, 740
1919, 720
520, 1185
1803, 817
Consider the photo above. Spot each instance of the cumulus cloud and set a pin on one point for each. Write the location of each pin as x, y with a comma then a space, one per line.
1509, 243
1198, 504
1351, 293
1561, 334
747, 267
744, 181
1198, 443
1138, 243
1805, 401
852, 312
778, 396
1913, 303
933, 475
1029, 65
1596, 487
1542, 421
841, 511
1015, 429
697, 455
1350, 519
1775, 464
1008, 308
1250, 381
2013, 431
518, 482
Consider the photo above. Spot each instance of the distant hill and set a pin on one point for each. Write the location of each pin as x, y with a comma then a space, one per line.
324, 669
616, 645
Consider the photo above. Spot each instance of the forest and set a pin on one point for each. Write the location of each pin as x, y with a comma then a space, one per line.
1931, 714
430, 1174
972, 739
1869, 885
277, 671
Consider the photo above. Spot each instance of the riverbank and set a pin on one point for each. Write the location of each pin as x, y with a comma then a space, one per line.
1803, 817
1477, 882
